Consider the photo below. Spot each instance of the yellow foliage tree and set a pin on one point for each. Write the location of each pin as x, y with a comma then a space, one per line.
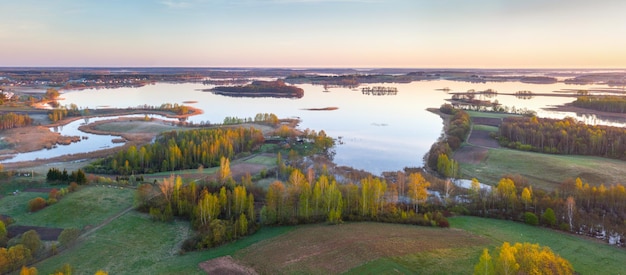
523, 258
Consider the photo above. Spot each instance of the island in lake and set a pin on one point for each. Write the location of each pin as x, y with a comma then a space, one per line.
276, 88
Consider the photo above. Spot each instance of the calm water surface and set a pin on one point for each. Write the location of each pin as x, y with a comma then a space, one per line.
380, 133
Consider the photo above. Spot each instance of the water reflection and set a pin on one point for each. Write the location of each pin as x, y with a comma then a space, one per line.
409, 129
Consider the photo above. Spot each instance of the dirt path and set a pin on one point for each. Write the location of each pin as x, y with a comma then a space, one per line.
106, 222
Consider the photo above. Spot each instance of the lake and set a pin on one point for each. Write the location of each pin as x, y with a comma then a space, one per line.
379, 133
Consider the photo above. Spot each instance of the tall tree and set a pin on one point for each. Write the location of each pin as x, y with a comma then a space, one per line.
418, 189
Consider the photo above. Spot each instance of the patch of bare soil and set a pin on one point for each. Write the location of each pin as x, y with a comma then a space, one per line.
470, 154
483, 138
225, 265
328, 249
490, 121
45, 233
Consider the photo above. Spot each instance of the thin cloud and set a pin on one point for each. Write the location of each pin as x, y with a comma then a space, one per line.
177, 4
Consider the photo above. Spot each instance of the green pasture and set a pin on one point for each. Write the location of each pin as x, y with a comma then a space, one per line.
587, 256
88, 206
134, 244
488, 114
480, 127
544, 170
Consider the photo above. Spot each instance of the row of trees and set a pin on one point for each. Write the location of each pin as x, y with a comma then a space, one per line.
13, 120
439, 155
181, 150
574, 206
565, 136
55, 175
305, 199
614, 104
258, 118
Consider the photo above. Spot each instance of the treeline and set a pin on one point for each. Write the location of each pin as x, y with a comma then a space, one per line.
259, 118
225, 210
614, 104
181, 150
63, 112
565, 136
276, 88
596, 211
55, 175
305, 199
13, 120
218, 214
439, 156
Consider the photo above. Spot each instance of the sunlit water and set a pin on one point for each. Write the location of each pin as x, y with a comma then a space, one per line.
379, 133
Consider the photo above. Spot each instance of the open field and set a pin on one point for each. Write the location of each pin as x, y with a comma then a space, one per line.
328, 249
16, 206
134, 244
544, 170
86, 207
587, 256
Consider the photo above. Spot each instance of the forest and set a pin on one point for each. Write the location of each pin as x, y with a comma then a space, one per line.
177, 150
13, 120
276, 88
614, 104
562, 136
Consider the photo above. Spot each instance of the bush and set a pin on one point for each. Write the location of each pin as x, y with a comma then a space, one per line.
548, 217
68, 235
531, 218
36, 204
32, 241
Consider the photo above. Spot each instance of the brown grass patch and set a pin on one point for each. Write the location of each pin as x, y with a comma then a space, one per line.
491, 121
33, 138
483, 138
225, 265
470, 154
330, 249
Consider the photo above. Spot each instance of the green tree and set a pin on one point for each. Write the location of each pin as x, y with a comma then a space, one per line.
32, 241
549, 217
68, 235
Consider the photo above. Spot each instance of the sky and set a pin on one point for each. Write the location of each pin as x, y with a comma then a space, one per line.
314, 33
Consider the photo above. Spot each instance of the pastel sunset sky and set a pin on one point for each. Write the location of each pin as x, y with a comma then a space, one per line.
314, 33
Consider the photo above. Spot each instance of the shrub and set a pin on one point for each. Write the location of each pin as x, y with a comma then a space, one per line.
36, 204
73, 187
32, 241
68, 235
548, 217
531, 218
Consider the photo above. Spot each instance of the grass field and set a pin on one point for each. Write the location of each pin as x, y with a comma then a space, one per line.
544, 170
88, 206
134, 244
488, 114
16, 206
485, 128
587, 256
